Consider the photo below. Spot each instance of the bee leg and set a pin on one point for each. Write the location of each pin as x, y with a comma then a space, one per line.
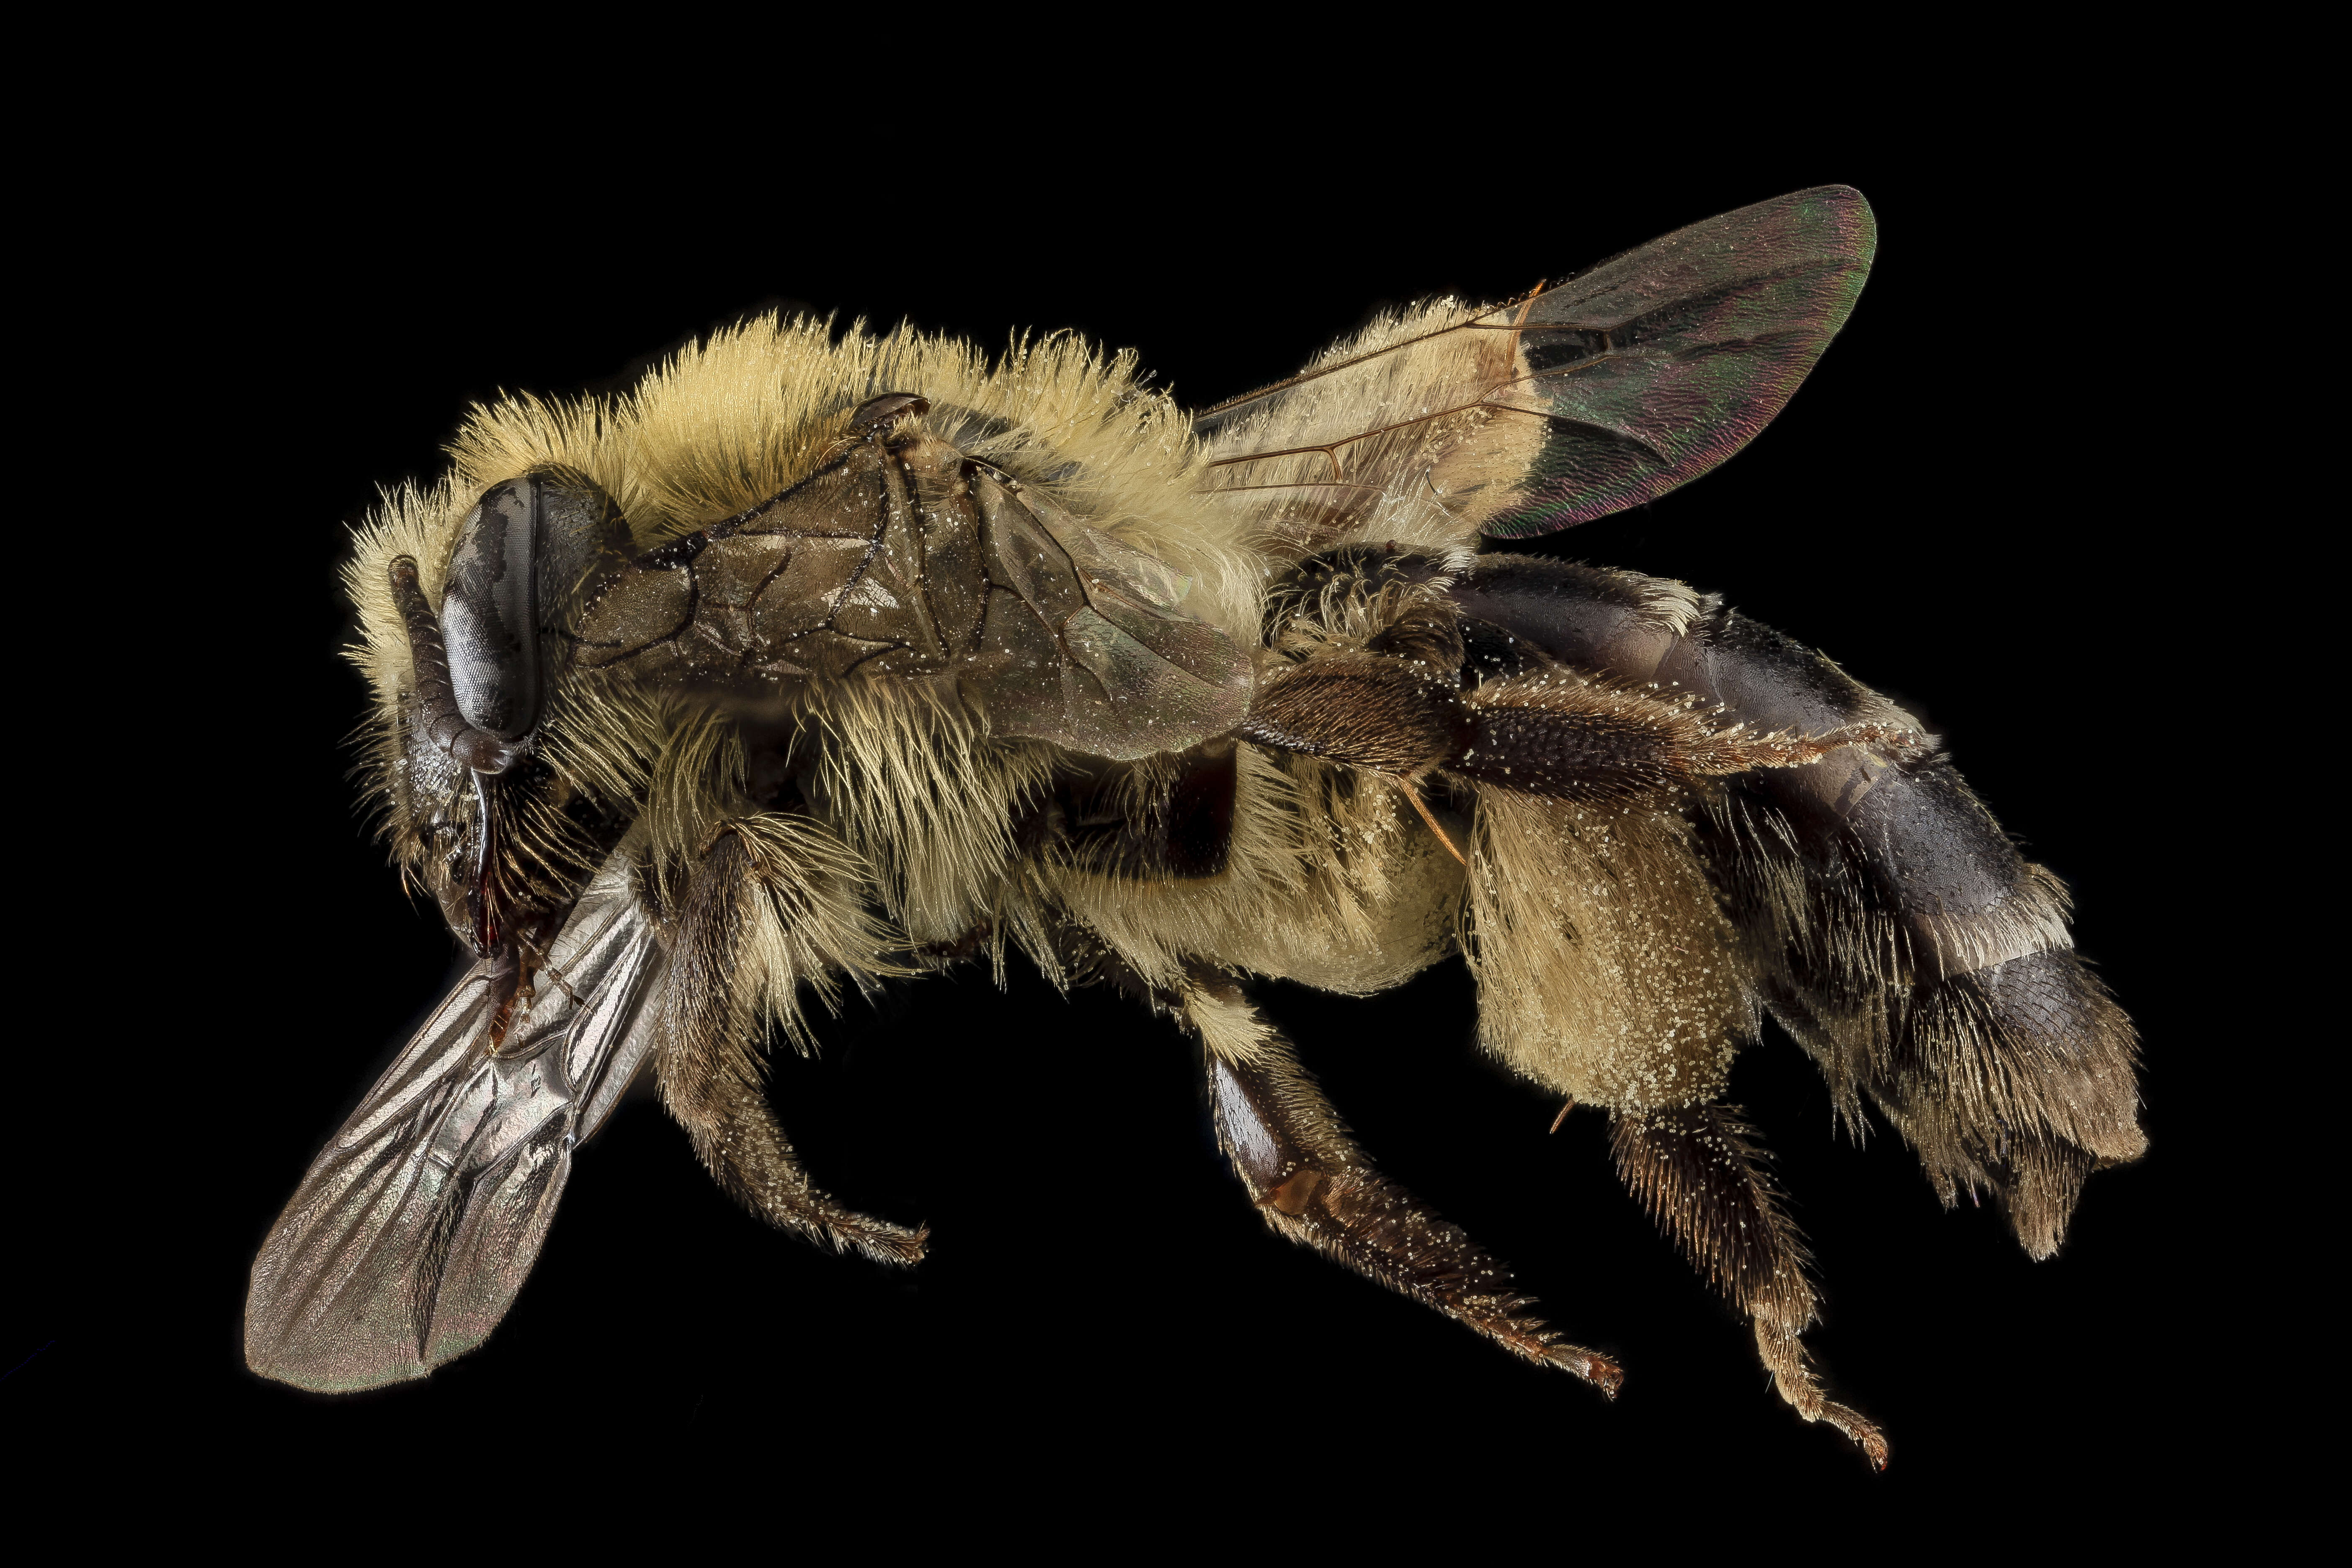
1702, 1179
1550, 732
1395, 715
1558, 735
709, 1077
1390, 714
1313, 1186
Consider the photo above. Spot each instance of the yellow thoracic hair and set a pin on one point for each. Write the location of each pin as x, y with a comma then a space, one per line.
726, 423
729, 421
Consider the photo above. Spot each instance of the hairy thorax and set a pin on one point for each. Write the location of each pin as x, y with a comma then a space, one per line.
901, 557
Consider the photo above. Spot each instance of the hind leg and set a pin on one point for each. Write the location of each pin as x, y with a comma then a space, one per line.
1702, 1179
1315, 1186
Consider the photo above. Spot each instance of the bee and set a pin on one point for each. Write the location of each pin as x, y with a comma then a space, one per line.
821, 659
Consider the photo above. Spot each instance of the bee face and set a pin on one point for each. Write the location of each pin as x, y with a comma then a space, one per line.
517, 572
490, 610
486, 663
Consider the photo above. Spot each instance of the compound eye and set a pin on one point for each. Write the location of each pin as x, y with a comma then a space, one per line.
489, 611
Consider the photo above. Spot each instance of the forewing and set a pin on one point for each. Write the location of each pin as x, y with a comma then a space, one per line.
412, 1230
1579, 400
1085, 642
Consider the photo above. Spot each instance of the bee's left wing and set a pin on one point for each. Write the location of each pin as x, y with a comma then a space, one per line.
412, 1230
1578, 400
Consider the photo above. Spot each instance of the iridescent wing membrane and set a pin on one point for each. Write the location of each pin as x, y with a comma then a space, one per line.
415, 1226
1577, 401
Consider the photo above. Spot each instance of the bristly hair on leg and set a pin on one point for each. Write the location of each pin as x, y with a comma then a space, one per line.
1701, 1176
710, 1066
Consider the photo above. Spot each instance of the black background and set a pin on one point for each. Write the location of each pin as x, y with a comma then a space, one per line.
1967, 505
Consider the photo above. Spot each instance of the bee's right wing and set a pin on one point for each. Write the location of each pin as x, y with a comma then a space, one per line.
1578, 400
407, 1240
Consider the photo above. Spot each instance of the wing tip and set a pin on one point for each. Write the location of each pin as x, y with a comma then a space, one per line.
331, 1368
1857, 221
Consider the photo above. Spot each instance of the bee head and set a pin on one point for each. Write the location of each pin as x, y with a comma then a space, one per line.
510, 593
485, 665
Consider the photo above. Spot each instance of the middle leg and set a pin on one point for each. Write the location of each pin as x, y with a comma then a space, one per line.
1315, 1186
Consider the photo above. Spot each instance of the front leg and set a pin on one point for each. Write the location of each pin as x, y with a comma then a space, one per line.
1313, 1186
709, 1071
